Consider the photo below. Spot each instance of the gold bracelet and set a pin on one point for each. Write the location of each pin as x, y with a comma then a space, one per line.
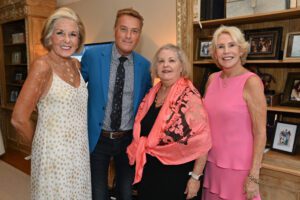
253, 179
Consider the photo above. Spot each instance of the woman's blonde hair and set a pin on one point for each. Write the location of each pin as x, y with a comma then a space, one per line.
186, 68
61, 13
237, 36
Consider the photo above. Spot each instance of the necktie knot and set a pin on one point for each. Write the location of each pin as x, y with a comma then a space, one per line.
122, 59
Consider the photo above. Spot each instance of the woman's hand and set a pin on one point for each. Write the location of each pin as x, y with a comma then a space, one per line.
192, 188
251, 188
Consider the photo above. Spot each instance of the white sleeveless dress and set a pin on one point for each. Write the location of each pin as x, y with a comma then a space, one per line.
60, 166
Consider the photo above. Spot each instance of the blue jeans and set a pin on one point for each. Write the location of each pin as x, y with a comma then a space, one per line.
100, 159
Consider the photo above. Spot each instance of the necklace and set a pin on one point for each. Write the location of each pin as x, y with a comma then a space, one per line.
161, 96
64, 69
159, 102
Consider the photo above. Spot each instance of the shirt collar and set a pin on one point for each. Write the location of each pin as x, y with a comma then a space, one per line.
116, 55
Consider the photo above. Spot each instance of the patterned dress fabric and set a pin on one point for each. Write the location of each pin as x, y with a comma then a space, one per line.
230, 157
60, 166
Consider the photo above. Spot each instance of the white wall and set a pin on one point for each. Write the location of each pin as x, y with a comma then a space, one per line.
159, 28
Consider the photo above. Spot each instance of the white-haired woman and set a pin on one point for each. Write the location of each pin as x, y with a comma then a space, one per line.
60, 167
236, 107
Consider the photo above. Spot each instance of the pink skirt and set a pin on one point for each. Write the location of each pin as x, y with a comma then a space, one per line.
221, 183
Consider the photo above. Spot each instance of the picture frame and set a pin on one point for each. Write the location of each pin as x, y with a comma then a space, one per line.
16, 57
264, 43
236, 8
13, 96
291, 94
202, 48
285, 137
19, 77
292, 46
18, 38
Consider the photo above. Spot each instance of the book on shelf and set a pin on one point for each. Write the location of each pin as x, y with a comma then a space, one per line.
212, 9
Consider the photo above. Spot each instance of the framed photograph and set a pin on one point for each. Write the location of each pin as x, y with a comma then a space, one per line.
18, 38
291, 93
16, 57
264, 43
292, 46
285, 137
202, 48
235, 8
19, 77
13, 96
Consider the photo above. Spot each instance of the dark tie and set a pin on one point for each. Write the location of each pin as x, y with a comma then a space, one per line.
116, 112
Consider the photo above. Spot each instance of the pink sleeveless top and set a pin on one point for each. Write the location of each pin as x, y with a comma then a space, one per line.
230, 122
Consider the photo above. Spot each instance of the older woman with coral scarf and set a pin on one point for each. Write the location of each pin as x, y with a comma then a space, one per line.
171, 135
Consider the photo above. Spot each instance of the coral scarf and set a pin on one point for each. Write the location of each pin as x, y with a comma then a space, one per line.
180, 133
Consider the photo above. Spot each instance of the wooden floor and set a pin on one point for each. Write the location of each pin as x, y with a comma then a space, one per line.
16, 159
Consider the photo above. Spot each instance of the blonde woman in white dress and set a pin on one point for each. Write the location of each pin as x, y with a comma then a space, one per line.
60, 156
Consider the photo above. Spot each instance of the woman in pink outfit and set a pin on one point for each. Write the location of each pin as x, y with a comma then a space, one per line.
236, 108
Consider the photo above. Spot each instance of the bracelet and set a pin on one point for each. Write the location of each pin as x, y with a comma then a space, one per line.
195, 176
253, 179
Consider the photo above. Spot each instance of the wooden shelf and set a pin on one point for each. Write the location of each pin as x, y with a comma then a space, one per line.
282, 162
209, 61
248, 19
18, 65
16, 44
8, 107
15, 84
286, 109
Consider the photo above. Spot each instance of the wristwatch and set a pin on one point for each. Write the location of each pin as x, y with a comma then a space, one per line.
195, 176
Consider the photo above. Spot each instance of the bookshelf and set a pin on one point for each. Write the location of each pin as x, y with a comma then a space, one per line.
21, 23
280, 173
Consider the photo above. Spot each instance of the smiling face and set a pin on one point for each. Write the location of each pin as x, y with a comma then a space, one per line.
169, 67
228, 52
64, 38
127, 34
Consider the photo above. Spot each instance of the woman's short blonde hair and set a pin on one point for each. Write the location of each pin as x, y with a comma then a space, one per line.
237, 36
61, 13
186, 68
